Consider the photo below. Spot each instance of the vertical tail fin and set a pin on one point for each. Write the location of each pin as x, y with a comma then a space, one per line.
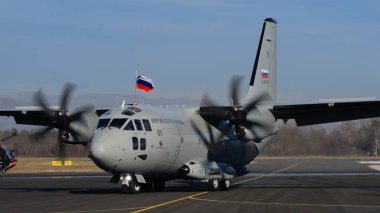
264, 73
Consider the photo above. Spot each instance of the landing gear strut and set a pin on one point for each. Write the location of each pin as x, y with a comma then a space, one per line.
130, 185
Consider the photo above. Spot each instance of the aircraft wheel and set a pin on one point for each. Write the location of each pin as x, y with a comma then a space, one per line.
134, 187
159, 185
213, 184
225, 184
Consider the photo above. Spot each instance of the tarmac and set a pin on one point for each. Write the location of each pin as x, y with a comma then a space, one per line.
298, 185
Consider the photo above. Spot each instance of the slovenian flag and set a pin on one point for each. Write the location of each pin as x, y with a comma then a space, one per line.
264, 74
144, 83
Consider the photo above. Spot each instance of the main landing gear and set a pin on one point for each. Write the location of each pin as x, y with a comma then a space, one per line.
222, 184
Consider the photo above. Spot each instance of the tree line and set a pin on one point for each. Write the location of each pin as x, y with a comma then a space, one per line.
350, 138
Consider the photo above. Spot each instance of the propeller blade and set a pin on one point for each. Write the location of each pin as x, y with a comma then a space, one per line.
40, 101
234, 90
74, 134
260, 124
200, 134
212, 139
77, 115
206, 101
254, 102
61, 150
40, 133
67, 91
224, 131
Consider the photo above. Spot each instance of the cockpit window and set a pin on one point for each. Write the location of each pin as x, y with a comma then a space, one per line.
103, 123
147, 125
118, 122
138, 125
129, 126
127, 112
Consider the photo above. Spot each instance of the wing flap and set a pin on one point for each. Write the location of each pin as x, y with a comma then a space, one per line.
309, 114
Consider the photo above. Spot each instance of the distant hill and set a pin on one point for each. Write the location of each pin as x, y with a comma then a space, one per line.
97, 100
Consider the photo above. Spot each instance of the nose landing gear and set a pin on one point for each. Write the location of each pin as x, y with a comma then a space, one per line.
130, 185
134, 184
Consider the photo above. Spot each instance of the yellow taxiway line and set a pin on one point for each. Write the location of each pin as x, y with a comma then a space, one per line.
169, 202
190, 197
193, 197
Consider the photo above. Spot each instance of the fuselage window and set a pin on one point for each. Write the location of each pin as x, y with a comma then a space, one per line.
147, 125
138, 125
118, 122
129, 126
142, 143
135, 143
103, 123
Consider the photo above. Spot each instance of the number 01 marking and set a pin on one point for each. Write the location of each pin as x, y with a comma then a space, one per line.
159, 132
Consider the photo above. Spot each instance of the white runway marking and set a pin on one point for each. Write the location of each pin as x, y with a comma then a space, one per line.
375, 167
369, 162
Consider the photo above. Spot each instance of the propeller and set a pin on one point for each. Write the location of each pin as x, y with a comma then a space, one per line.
236, 115
59, 119
210, 143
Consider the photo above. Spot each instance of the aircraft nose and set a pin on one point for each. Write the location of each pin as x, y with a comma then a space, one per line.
98, 153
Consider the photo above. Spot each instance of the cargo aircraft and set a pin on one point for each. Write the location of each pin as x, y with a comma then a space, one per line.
144, 146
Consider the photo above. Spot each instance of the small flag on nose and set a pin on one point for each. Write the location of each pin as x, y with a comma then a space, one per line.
144, 83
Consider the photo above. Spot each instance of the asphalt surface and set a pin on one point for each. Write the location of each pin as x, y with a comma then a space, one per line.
272, 186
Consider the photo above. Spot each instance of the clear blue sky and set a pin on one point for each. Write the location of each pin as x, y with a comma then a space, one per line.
326, 48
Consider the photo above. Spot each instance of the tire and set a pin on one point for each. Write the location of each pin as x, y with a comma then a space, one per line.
224, 184
213, 184
134, 187
159, 185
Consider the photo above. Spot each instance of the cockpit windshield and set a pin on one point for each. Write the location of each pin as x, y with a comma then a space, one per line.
103, 123
129, 126
118, 122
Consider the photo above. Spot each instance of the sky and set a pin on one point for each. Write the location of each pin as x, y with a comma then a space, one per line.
326, 48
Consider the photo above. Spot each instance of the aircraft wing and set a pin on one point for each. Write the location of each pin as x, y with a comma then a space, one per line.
34, 117
309, 114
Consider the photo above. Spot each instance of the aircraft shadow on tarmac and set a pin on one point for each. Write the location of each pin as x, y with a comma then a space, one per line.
189, 187
183, 186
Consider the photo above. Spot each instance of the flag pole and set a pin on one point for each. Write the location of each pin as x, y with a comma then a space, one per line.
135, 88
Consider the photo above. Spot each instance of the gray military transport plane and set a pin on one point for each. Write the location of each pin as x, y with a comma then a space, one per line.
144, 146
